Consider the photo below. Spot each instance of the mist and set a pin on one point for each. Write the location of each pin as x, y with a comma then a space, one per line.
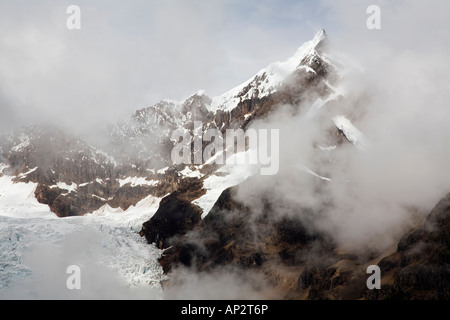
395, 89
221, 284
128, 56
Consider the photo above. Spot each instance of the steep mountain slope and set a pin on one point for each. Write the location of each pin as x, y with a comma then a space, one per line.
72, 177
276, 239
209, 217
286, 255
75, 178
420, 268
304, 80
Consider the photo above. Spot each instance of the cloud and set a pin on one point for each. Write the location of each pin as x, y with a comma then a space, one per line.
129, 56
234, 283
396, 85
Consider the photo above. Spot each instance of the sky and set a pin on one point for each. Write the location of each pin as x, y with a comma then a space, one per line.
131, 54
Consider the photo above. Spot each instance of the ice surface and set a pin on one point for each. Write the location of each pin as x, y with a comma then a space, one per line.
137, 181
36, 248
24, 142
309, 171
233, 174
62, 185
187, 172
23, 175
350, 131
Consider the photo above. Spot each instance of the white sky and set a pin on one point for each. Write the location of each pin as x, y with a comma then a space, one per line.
131, 54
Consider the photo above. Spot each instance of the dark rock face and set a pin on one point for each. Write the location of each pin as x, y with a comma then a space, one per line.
302, 263
175, 217
420, 269
176, 214
295, 261
65, 205
233, 234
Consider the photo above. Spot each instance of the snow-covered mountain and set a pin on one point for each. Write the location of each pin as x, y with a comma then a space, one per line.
206, 216
74, 177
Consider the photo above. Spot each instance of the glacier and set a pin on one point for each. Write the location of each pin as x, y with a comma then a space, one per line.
37, 247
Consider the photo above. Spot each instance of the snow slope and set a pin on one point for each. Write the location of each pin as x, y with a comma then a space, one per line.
233, 174
17, 199
350, 131
267, 80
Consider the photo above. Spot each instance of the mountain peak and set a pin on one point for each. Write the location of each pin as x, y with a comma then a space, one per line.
319, 40
320, 36
267, 80
311, 46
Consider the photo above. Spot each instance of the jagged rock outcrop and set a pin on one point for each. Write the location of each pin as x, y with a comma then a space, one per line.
175, 216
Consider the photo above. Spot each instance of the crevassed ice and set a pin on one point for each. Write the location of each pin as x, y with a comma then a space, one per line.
36, 247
